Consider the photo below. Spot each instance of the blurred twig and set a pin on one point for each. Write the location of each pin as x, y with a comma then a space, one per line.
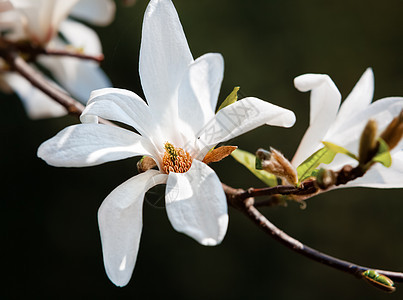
18, 64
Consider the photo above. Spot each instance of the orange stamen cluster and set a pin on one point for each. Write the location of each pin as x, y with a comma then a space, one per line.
175, 160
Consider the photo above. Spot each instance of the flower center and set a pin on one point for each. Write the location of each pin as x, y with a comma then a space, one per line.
175, 160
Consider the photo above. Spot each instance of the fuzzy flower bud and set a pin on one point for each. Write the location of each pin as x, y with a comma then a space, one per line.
394, 132
368, 142
275, 163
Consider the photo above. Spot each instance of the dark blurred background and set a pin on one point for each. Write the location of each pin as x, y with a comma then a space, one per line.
50, 242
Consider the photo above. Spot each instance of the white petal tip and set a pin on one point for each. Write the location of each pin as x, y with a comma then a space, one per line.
119, 281
209, 242
307, 82
285, 119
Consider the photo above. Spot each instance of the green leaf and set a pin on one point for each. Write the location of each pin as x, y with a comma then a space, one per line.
231, 98
339, 149
248, 160
383, 155
324, 155
258, 164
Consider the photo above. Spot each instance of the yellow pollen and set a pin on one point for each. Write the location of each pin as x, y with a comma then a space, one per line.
175, 160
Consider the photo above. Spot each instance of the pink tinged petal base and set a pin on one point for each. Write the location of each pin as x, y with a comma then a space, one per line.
238, 118
196, 204
120, 224
92, 144
43, 17
325, 102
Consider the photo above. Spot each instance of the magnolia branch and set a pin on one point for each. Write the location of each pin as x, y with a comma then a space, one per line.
244, 200
19, 65
31, 51
55, 52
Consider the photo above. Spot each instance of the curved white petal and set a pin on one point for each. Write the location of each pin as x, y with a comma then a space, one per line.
77, 76
349, 132
381, 177
92, 144
325, 101
97, 12
81, 37
120, 220
359, 98
240, 117
43, 17
164, 59
12, 24
199, 89
37, 104
196, 204
123, 106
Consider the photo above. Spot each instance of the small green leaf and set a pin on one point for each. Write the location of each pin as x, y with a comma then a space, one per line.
383, 156
258, 164
231, 98
249, 160
339, 149
324, 155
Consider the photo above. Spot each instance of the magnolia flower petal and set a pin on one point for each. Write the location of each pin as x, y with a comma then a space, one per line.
125, 107
37, 104
81, 37
381, 177
359, 98
5, 6
240, 117
164, 59
382, 111
199, 89
120, 223
92, 144
43, 17
325, 101
12, 24
77, 76
196, 204
96, 12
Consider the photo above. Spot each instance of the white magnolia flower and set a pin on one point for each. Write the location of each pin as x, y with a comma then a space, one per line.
176, 128
39, 22
343, 126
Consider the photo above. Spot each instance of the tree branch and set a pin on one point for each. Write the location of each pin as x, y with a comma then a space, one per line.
19, 65
236, 198
97, 58
36, 79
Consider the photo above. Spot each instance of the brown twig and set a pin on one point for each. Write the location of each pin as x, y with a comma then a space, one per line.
97, 58
32, 51
235, 198
19, 65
